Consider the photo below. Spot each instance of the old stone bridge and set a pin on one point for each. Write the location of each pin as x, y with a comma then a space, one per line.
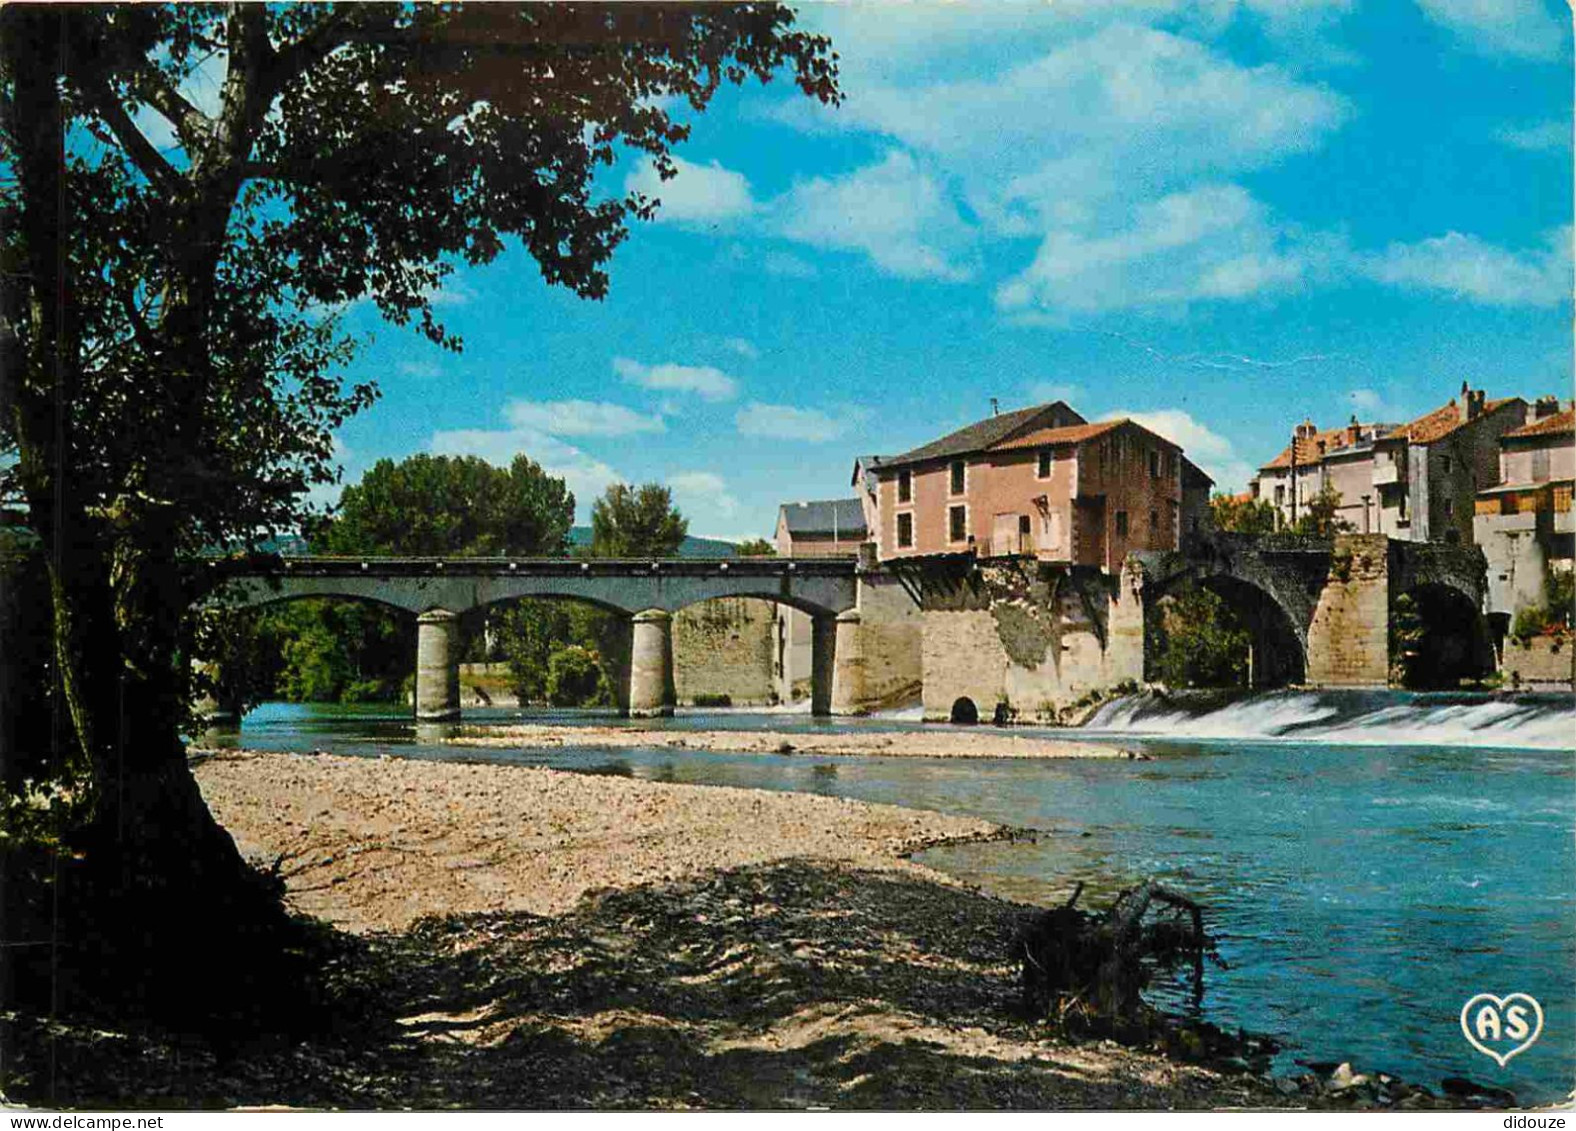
1321, 611
645, 593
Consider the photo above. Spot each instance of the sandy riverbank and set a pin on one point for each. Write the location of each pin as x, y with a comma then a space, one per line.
600, 942
982, 743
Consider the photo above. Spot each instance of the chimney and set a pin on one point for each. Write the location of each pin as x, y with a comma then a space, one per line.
995, 407
1354, 432
1545, 407
1474, 403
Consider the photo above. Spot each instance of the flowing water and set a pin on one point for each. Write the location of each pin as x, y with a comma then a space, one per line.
1370, 860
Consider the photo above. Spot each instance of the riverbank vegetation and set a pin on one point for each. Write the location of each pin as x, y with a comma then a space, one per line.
171, 374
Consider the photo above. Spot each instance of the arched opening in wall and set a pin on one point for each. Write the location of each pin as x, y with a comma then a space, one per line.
725, 652
1438, 638
964, 711
544, 652
1221, 632
309, 650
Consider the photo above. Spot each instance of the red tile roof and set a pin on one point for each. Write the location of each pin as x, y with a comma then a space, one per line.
1308, 449
1071, 434
1555, 425
1444, 420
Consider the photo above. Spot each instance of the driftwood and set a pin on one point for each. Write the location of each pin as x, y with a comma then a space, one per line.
1092, 967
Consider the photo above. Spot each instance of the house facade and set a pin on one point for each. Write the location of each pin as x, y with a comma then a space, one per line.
1524, 522
1416, 481
1039, 482
821, 528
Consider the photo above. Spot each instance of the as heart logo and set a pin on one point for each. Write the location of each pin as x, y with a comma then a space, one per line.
1502, 1027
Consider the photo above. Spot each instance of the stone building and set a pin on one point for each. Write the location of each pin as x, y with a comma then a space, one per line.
1414, 482
889, 621
1524, 522
1038, 482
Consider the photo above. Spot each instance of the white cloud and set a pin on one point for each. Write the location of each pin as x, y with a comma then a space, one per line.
784, 422
424, 370
787, 266
1214, 242
1200, 443
1542, 136
742, 347
585, 475
704, 380
704, 494
896, 212
697, 194
1522, 28
1470, 268
580, 418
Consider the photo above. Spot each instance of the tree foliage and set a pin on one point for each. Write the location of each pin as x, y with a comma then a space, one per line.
451, 506
636, 522
1243, 516
757, 548
169, 380
1201, 643
1321, 515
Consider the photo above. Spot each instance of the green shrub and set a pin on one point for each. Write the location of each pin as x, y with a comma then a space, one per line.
574, 678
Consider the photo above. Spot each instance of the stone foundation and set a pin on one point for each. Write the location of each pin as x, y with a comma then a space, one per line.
1349, 637
1544, 660
724, 647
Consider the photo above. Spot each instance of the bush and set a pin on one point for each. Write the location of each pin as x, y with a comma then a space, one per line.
1202, 644
574, 678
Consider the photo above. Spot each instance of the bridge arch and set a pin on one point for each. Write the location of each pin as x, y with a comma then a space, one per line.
1439, 636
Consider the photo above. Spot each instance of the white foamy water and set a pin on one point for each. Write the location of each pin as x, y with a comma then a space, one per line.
1353, 718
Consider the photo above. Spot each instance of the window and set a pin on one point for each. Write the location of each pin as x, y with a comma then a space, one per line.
905, 486
1444, 464
1154, 464
1171, 465
1450, 508
957, 524
905, 530
1043, 468
1280, 496
1154, 522
1121, 524
957, 476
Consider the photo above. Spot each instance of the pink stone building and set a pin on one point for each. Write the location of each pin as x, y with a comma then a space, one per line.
1039, 482
1524, 522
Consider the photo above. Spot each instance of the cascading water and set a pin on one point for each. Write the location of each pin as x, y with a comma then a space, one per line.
1528, 721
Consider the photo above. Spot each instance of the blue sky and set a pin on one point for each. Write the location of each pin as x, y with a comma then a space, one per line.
1215, 217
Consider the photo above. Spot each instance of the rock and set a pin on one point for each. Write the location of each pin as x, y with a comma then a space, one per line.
1341, 1078
1286, 1086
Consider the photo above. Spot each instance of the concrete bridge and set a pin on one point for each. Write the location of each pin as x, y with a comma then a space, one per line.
1321, 610
644, 593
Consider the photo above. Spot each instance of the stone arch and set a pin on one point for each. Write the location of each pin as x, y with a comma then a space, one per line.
1274, 623
1440, 636
964, 711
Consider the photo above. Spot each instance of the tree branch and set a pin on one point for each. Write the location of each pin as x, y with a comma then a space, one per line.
149, 161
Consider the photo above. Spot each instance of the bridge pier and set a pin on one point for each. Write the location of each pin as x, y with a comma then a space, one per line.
437, 666
848, 665
651, 664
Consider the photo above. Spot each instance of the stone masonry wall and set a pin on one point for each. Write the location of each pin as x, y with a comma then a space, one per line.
724, 647
1031, 640
891, 631
1541, 660
1349, 638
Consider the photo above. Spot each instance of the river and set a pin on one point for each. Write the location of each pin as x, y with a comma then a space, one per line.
1369, 860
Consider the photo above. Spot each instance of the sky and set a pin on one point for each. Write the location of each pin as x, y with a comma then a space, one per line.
1216, 218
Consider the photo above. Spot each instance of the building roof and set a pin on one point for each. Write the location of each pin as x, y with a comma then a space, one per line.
979, 436
1195, 476
1560, 423
1071, 434
843, 518
1435, 426
1312, 448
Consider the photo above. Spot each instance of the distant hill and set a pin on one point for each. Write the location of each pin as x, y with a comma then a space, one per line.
692, 547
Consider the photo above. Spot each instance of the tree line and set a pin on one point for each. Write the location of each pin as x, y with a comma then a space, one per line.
559, 652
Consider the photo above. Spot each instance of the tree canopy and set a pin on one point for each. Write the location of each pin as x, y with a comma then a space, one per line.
1243, 516
431, 506
171, 372
636, 522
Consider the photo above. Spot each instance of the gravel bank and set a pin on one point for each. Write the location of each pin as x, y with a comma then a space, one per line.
928, 744
377, 844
